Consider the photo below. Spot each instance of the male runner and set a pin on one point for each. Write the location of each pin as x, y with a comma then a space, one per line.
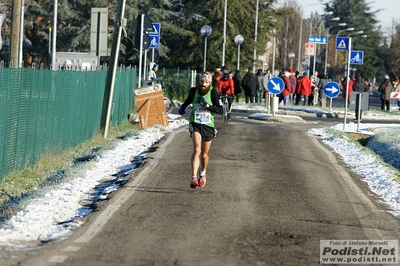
205, 102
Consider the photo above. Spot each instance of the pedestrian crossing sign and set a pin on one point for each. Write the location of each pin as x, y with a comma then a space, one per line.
342, 43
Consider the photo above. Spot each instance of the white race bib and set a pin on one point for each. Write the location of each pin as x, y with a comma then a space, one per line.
202, 116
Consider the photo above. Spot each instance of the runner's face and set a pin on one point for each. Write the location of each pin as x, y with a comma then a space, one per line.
204, 86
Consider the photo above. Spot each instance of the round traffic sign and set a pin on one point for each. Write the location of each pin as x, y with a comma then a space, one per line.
332, 89
267, 77
275, 85
153, 53
145, 41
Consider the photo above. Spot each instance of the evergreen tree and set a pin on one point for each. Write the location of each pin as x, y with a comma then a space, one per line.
240, 20
358, 15
391, 55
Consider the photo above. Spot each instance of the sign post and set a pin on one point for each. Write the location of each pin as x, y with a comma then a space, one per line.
141, 24
347, 85
316, 40
275, 86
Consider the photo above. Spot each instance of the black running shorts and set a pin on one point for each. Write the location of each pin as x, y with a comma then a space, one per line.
207, 133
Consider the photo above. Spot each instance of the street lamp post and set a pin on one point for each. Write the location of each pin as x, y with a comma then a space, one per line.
327, 45
301, 31
315, 45
291, 56
224, 33
311, 22
357, 32
255, 39
238, 40
320, 28
205, 31
337, 35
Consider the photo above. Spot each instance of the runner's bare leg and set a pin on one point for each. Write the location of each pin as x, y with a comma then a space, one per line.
205, 148
196, 139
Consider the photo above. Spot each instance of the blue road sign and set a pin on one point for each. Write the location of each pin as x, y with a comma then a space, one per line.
332, 89
356, 57
155, 36
275, 85
316, 39
342, 43
156, 29
154, 41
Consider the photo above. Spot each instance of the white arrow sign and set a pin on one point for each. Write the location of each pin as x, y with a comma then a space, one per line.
276, 86
332, 89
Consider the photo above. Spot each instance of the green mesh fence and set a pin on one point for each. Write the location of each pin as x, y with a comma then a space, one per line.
177, 82
50, 111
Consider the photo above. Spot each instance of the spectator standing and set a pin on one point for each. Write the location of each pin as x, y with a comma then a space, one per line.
216, 77
297, 77
303, 89
385, 89
313, 97
287, 90
397, 89
260, 89
250, 84
237, 84
152, 72
293, 83
323, 80
344, 87
359, 86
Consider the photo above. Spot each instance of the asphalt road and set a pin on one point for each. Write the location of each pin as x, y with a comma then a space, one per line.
273, 192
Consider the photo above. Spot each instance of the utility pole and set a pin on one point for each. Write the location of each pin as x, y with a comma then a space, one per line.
15, 32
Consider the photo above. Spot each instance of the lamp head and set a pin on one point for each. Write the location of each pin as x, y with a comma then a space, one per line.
239, 39
206, 30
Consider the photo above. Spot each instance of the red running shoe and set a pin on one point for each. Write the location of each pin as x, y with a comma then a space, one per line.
202, 181
194, 182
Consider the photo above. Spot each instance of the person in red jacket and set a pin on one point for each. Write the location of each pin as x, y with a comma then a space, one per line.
344, 87
303, 89
226, 86
285, 94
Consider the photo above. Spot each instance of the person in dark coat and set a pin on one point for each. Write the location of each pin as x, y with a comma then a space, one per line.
250, 85
323, 80
260, 90
385, 89
237, 83
359, 86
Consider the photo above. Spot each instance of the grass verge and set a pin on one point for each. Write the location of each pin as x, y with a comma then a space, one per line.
54, 166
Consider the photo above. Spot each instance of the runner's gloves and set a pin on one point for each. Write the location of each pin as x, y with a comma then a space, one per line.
200, 100
181, 110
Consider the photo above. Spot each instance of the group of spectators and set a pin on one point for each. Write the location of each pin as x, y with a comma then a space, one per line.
298, 89
303, 89
232, 83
